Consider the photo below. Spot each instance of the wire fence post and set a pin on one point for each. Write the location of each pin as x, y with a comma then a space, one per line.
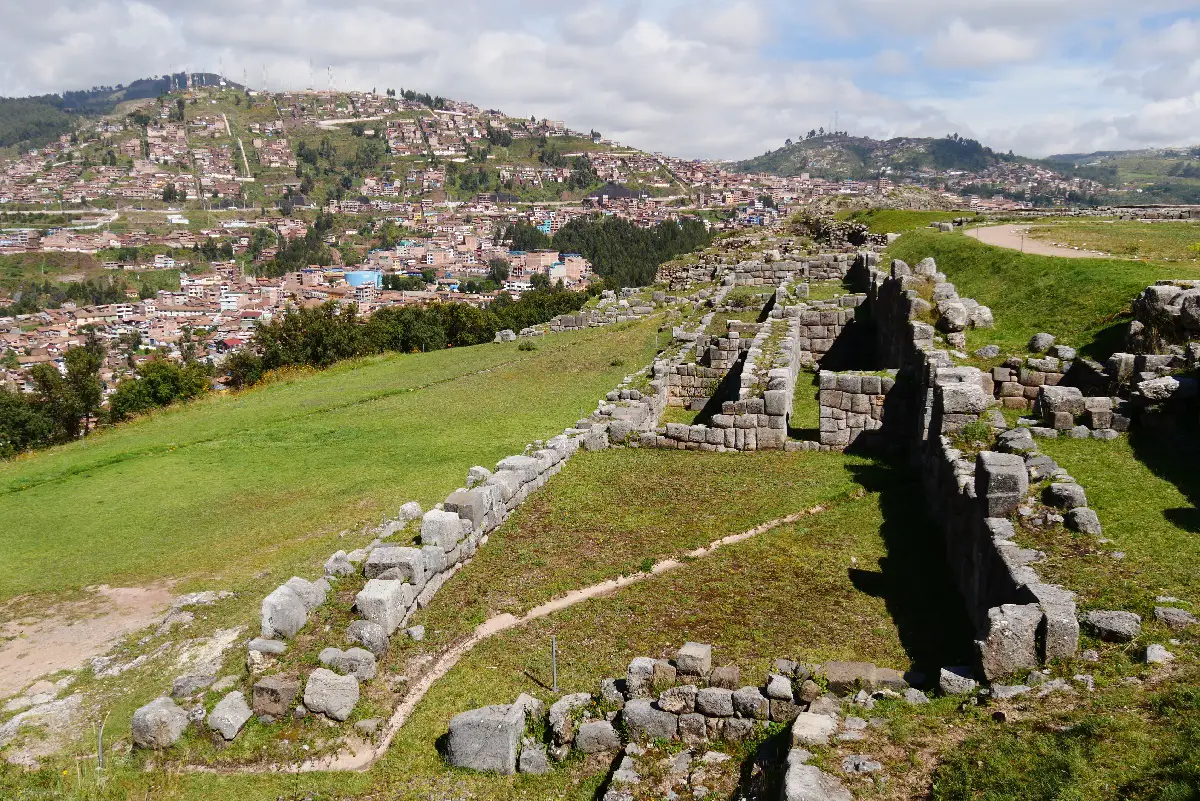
554, 660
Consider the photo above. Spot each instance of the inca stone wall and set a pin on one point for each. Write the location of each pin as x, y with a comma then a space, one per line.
852, 404
821, 323
1020, 620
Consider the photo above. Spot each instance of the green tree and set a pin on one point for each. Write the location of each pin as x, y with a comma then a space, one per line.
498, 270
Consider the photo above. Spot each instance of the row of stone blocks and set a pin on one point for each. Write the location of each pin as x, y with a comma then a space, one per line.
399, 580
851, 404
687, 699
704, 438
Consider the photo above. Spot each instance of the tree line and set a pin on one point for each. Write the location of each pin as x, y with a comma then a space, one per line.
66, 405
323, 335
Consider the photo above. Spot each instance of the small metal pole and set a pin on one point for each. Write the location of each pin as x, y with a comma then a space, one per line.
554, 659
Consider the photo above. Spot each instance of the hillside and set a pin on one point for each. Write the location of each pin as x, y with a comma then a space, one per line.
1163, 175
30, 122
839, 156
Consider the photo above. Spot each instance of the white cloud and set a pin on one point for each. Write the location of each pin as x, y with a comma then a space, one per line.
698, 78
959, 46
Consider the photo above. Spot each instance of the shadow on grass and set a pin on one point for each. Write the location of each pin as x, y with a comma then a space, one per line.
1108, 340
811, 388
762, 772
913, 579
727, 390
1169, 451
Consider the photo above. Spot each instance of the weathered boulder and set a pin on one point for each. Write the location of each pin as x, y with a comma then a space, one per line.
1001, 482
1040, 343
328, 693
273, 695
779, 686
339, 565
645, 722
803, 782
1084, 520
408, 563
311, 593
749, 702
356, 662
678, 700
487, 739
189, 685
384, 602
715, 702
1175, 619
812, 729
1063, 495
727, 676
229, 715
562, 716
1011, 641
597, 736
158, 724
694, 659
533, 759
443, 529
369, 635
638, 677
283, 613
1114, 626
409, 511
956, 681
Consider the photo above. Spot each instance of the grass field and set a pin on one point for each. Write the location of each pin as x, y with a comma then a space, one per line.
836, 585
1165, 241
1080, 301
898, 221
1137, 736
228, 486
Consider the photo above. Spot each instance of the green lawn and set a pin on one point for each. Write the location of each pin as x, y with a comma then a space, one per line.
228, 486
898, 221
837, 585
1174, 241
618, 512
1080, 301
1144, 489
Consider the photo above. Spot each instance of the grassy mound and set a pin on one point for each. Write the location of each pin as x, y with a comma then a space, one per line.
227, 486
1083, 302
898, 221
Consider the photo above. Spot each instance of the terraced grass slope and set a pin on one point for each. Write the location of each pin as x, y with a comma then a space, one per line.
838, 584
223, 487
1080, 301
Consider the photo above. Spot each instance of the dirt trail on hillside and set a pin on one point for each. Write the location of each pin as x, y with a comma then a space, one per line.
67, 634
365, 755
1016, 237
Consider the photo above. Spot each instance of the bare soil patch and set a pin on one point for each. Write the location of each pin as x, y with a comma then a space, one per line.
66, 634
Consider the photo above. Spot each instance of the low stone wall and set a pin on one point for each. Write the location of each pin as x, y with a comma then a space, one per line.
852, 404
686, 699
1020, 620
398, 580
821, 322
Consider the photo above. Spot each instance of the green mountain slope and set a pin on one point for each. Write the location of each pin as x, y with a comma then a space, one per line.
838, 156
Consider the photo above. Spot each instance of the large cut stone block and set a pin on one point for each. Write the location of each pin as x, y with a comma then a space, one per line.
1001, 482
1011, 641
283, 613
384, 602
487, 739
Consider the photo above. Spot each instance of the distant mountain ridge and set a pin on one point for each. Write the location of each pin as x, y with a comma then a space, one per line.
30, 122
838, 156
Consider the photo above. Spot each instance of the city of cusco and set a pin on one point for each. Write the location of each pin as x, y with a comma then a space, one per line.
616, 400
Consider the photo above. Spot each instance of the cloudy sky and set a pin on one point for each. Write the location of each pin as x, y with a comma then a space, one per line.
694, 78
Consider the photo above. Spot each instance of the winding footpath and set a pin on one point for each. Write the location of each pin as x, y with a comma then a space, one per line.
362, 759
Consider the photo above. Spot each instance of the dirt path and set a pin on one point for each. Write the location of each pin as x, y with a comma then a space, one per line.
362, 758
1016, 237
66, 635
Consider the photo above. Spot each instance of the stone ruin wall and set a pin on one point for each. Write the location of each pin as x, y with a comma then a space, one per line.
1020, 621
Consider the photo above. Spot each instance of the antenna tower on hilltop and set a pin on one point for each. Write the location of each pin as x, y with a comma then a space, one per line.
330, 71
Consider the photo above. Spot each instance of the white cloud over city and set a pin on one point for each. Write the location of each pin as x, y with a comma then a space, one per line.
701, 78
